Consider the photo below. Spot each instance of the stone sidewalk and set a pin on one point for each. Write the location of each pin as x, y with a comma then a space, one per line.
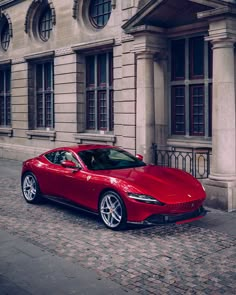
51, 248
27, 269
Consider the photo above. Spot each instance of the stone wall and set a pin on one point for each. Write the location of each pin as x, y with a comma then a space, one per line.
72, 30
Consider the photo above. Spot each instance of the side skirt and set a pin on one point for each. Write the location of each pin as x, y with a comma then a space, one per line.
69, 204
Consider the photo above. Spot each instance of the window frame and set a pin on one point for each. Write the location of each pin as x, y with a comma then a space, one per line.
188, 82
94, 92
6, 96
45, 24
96, 5
191, 111
44, 92
5, 36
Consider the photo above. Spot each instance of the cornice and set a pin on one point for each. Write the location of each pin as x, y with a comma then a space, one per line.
8, 3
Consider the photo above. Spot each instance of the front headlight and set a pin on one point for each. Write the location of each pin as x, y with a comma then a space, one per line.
145, 199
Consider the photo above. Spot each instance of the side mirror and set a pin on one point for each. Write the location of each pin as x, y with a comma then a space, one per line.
140, 157
68, 164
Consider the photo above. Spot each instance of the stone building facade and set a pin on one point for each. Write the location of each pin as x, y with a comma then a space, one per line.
129, 73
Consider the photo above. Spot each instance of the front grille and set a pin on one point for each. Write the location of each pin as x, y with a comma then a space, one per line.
169, 218
184, 206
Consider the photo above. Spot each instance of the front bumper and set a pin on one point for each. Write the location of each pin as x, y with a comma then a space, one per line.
176, 218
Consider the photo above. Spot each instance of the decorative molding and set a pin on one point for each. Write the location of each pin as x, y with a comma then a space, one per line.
41, 133
4, 13
221, 36
33, 7
146, 29
38, 55
216, 12
5, 62
113, 4
94, 45
18, 60
9, 3
94, 137
63, 51
75, 9
6, 131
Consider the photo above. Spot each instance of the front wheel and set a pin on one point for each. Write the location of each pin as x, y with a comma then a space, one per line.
112, 211
30, 188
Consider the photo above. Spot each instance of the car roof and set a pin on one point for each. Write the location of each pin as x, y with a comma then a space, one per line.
80, 147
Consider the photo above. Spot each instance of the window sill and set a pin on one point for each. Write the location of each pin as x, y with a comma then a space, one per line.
42, 134
190, 142
6, 131
94, 138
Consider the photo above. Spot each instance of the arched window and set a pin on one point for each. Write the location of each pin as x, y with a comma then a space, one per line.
5, 36
45, 24
99, 12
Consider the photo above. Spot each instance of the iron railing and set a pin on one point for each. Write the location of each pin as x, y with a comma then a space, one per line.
195, 161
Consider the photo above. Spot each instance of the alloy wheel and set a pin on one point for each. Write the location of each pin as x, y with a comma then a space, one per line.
111, 210
29, 187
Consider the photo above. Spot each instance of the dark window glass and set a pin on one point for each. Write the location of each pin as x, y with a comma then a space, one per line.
196, 57
39, 77
5, 97
210, 110
90, 110
110, 69
5, 36
102, 72
178, 110
100, 11
193, 54
178, 59
102, 110
111, 111
90, 71
45, 24
197, 109
44, 95
210, 60
99, 97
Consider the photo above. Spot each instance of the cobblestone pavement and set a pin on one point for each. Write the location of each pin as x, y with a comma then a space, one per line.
173, 259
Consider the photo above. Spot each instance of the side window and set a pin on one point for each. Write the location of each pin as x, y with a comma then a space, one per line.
59, 156
70, 157
50, 157
56, 157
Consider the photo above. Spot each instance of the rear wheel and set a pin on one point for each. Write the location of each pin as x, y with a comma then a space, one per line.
112, 211
30, 188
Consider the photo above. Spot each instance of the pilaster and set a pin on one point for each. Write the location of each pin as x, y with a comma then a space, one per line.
148, 45
145, 118
221, 186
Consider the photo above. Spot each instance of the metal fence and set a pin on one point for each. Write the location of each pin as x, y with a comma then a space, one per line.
195, 161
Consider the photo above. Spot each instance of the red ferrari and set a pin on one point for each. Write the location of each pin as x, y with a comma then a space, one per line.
111, 182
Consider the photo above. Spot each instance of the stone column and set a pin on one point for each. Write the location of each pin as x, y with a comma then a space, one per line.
221, 185
223, 111
160, 97
145, 118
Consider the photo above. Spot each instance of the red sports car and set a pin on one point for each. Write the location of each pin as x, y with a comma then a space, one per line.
111, 182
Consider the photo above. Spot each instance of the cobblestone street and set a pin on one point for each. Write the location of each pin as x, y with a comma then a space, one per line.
173, 259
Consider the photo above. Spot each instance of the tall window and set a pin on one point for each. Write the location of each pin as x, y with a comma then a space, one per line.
45, 24
100, 11
5, 36
5, 97
44, 95
99, 92
191, 78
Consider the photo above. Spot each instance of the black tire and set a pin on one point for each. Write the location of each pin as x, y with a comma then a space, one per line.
112, 211
30, 188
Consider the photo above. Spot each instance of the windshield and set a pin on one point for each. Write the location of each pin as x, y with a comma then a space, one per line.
108, 159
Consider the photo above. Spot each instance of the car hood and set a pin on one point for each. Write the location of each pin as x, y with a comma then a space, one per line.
165, 184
